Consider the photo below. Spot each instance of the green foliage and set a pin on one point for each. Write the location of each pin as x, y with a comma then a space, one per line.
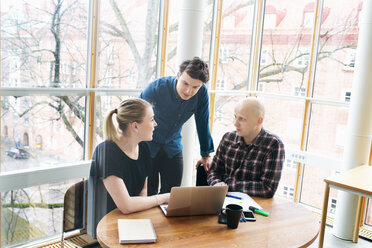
32, 204
16, 230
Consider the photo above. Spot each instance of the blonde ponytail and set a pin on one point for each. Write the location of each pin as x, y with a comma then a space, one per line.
109, 127
129, 111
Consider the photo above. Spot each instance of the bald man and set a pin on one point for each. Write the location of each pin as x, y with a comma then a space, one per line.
250, 159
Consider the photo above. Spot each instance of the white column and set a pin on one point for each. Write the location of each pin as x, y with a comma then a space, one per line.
358, 140
189, 45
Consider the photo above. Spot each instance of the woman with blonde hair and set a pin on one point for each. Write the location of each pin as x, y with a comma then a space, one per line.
122, 162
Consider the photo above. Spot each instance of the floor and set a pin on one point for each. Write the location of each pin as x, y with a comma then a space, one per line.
330, 241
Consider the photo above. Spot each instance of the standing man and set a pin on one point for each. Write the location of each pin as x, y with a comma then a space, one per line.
175, 99
250, 159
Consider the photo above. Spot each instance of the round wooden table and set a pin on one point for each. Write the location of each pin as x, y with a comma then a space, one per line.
288, 225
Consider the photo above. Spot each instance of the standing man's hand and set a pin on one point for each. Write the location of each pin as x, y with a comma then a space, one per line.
205, 161
220, 184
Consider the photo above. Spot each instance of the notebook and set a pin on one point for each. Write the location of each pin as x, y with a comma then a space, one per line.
241, 199
133, 231
199, 200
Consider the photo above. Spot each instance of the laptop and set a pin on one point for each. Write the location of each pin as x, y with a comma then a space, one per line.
199, 200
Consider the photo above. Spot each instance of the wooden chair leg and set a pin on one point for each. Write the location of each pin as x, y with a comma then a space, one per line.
324, 216
357, 220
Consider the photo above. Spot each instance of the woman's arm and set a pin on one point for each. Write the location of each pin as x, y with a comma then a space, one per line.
128, 204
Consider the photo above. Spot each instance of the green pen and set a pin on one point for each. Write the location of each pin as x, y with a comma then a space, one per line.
259, 211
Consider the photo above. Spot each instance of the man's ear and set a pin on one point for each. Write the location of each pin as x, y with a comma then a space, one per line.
260, 120
178, 75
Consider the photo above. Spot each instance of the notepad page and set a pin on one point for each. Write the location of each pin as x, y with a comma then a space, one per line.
136, 231
245, 202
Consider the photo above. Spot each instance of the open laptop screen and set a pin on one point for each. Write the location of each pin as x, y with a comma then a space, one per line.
199, 200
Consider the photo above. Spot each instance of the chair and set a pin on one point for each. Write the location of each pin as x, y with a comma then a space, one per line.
97, 198
73, 209
74, 217
201, 176
73, 203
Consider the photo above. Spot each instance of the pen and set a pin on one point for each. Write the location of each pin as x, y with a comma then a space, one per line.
235, 197
259, 211
242, 218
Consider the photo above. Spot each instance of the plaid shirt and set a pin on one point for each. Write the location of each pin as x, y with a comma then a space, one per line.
254, 169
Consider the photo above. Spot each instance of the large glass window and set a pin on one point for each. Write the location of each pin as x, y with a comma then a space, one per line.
284, 118
224, 116
43, 47
43, 43
233, 62
285, 52
313, 186
337, 46
33, 213
41, 131
235, 44
331, 142
127, 43
284, 70
333, 79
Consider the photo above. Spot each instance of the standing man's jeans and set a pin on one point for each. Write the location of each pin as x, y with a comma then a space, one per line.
170, 170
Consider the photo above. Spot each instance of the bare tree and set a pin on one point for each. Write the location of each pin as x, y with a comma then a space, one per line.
41, 38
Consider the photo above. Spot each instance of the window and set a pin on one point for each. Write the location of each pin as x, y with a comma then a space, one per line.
127, 47
56, 126
299, 91
108, 102
14, 71
27, 121
340, 135
293, 128
261, 86
350, 60
110, 55
288, 192
290, 164
235, 43
302, 58
219, 113
264, 57
40, 52
5, 131
309, 15
282, 74
108, 79
332, 206
220, 84
229, 22
73, 68
347, 95
132, 76
223, 55
270, 21
308, 19
25, 140
65, 70
273, 16
359, 9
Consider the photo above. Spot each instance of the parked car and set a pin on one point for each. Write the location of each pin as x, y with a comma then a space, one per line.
18, 153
